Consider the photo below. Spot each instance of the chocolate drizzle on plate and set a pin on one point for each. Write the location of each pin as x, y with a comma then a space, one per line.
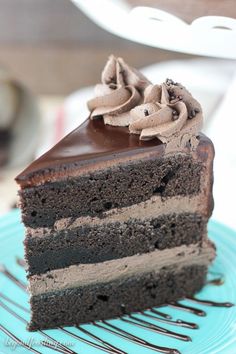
76, 336
210, 303
132, 319
11, 277
50, 343
111, 328
21, 262
218, 279
161, 314
103, 342
179, 323
17, 340
147, 325
55, 347
217, 282
9, 300
186, 308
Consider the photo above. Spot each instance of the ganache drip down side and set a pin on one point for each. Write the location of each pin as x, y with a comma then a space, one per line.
166, 111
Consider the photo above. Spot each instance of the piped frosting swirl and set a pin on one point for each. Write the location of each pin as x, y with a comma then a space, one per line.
121, 90
167, 111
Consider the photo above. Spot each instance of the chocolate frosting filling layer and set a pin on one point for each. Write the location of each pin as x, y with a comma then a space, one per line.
167, 111
84, 274
152, 208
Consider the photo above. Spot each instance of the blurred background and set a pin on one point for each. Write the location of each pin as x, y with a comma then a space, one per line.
52, 53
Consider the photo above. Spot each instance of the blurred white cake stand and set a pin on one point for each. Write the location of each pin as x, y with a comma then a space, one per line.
213, 36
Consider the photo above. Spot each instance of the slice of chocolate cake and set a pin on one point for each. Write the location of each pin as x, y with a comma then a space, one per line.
116, 213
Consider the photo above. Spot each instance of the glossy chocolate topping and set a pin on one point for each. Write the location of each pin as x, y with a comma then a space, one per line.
92, 141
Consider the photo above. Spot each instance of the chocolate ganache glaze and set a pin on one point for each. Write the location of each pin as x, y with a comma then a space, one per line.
91, 143
167, 111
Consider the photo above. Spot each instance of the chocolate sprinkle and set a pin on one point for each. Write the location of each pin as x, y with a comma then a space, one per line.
193, 113
175, 115
146, 113
112, 86
170, 82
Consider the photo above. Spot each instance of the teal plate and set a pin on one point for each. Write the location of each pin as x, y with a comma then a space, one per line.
216, 333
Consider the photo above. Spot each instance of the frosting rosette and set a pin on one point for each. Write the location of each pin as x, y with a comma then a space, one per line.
121, 90
167, 111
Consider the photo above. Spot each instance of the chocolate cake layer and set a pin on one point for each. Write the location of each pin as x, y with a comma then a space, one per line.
85, 274
103, 301
97, 243
114, 187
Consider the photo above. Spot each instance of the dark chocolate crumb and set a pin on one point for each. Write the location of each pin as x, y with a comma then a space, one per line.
146, 113
112, 86
192, 114
99, 117
123, 308
103, 297
181, 254
49, 276
170, 82
175, 115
